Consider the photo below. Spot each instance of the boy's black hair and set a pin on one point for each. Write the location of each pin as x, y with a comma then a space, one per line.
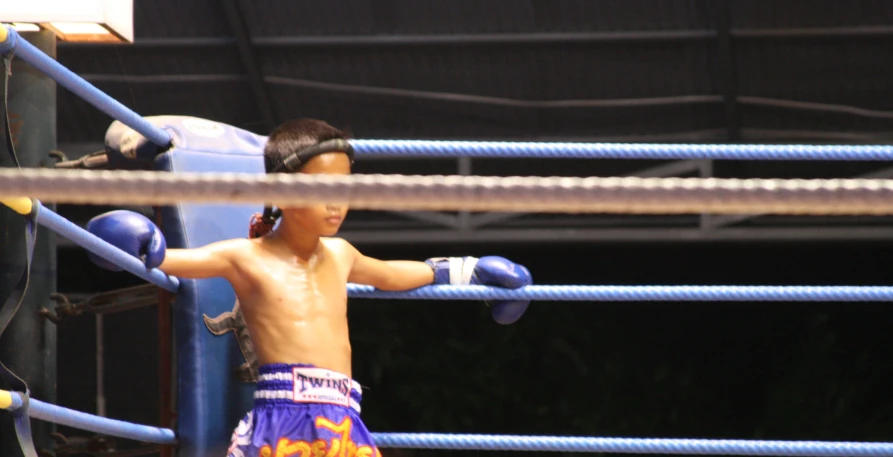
296, 135
288, 148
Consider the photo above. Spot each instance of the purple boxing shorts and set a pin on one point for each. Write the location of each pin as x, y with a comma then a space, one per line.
303, 411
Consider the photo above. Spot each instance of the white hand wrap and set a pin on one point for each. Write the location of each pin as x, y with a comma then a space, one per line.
461, 268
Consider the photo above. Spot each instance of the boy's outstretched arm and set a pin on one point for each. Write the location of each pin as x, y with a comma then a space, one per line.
140, 237
403, 275
213, 260
391, 275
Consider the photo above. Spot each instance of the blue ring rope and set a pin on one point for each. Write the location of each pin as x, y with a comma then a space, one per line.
79, 86
636, 293
543, 150
17, 401
100, 247
629, 445
83, 421
111, 427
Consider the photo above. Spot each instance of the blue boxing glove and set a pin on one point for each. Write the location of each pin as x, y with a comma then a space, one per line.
131, 232
487, 271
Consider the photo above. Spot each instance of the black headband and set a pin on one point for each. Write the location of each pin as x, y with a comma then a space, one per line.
294, 161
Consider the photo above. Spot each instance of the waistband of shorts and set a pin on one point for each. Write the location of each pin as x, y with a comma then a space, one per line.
281, 383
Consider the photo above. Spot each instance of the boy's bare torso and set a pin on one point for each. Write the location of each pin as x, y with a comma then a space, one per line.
295, 309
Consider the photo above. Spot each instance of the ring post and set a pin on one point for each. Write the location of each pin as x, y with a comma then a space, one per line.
28, 346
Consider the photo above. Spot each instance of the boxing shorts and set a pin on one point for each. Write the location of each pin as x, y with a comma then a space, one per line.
303, 411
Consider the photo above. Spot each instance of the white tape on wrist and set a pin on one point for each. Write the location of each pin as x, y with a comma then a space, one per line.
461, 270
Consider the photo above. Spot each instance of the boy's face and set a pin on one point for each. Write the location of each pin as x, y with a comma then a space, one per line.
324, 220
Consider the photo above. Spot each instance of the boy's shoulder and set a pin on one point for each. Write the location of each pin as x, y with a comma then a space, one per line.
239, 249
235, 246
238, 242
340, 247
334, 243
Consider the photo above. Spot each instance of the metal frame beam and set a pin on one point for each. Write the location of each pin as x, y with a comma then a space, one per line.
508, 38
727, 70
615, 235
430, 217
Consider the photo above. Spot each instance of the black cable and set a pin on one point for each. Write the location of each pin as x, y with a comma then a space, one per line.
10, 147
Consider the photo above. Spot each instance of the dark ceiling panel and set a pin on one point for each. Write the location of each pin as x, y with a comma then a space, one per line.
610, 15
849, 72
359, 17
531, 72
143, 61
810, 13
382, 117
179, 18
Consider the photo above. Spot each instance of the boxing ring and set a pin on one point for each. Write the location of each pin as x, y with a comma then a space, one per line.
199, 192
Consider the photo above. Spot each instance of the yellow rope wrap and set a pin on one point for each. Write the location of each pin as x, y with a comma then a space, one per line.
21, 205
5, 399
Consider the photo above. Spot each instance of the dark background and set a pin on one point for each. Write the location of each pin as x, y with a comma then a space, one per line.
669, 71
